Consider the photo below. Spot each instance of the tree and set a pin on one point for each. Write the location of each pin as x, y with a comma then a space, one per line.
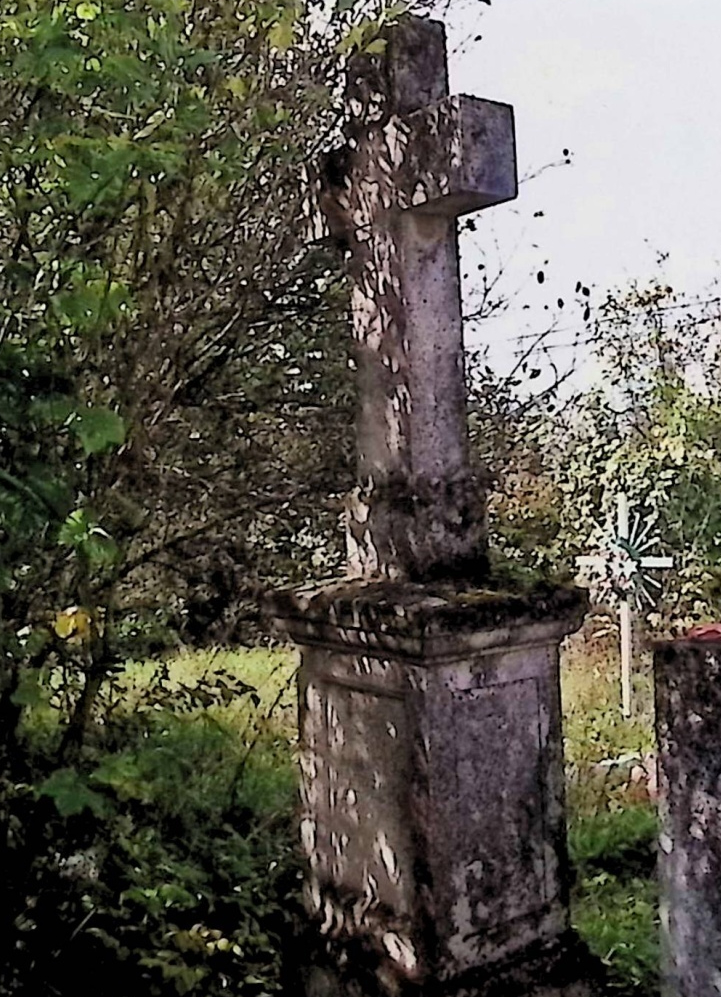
650, 426
169, 342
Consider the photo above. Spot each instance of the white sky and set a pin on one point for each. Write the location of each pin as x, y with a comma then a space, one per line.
633, 89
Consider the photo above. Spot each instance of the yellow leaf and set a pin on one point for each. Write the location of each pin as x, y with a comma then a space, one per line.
156, 119
376, 47
87, 11
74, 623
237, 86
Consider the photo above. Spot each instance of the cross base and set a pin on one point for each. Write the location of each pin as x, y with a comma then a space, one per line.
564, 968
432, 789
420, 530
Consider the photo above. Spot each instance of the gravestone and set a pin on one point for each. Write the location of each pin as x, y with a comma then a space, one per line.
431, 752
688, 722
414, 160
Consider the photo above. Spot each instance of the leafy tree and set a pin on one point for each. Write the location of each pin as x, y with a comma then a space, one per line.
169, 342
650, 426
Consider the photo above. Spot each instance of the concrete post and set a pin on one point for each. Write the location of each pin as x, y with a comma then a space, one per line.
688, 724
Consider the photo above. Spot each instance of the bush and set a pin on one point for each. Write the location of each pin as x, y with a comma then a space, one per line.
163, 861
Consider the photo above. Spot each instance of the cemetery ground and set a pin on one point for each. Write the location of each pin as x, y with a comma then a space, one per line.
168, 852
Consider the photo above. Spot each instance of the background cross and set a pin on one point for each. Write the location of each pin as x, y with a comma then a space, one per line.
625, 573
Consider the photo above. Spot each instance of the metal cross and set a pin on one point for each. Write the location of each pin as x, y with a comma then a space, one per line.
623, 566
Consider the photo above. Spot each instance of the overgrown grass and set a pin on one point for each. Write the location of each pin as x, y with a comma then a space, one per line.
618, 919
594, 727
613, 822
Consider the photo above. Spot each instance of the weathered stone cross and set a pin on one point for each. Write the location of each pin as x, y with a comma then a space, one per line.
415, 159
430, 731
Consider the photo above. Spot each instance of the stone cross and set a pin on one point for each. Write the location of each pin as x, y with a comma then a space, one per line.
630, 544
414, 160
431, 750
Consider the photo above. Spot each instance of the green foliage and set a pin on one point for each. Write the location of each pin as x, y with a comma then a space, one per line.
613, 824
71, 794
594, 727
164, 860
169, 344
618, 919
612, 835
169, 348
656, 439
649, 425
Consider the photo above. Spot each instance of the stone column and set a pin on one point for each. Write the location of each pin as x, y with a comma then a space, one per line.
688, 725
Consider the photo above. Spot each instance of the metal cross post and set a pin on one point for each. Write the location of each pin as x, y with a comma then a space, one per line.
623, 566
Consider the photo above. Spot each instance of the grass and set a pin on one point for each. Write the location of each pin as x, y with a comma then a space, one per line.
613, 823
618, 919
270, 672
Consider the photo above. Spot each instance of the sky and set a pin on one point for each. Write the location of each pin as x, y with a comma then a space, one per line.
633, 89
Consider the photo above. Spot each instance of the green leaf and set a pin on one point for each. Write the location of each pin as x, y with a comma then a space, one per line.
376, 47
75, 529
28, 692
87, 11
100, 549
84, 535
124, 776
281, 34
53, 411
98, 429
71, 794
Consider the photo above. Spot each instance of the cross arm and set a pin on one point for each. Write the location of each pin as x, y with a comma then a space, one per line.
590, 561
656, 562
456, 156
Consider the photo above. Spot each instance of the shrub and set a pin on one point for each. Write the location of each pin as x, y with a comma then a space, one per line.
164, 860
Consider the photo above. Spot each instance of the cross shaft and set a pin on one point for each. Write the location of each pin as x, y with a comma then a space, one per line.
415, 160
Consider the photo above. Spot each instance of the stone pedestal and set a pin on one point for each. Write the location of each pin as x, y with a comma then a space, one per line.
433, 788
688, 722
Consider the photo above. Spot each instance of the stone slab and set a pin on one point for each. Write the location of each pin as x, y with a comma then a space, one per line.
423, 621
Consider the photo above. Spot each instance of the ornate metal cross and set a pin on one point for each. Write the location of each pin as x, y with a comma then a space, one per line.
623, 568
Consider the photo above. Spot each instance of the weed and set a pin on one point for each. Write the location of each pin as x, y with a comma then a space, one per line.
164, 859
618, 919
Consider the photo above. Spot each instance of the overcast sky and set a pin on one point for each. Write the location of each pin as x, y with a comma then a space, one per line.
633, 89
